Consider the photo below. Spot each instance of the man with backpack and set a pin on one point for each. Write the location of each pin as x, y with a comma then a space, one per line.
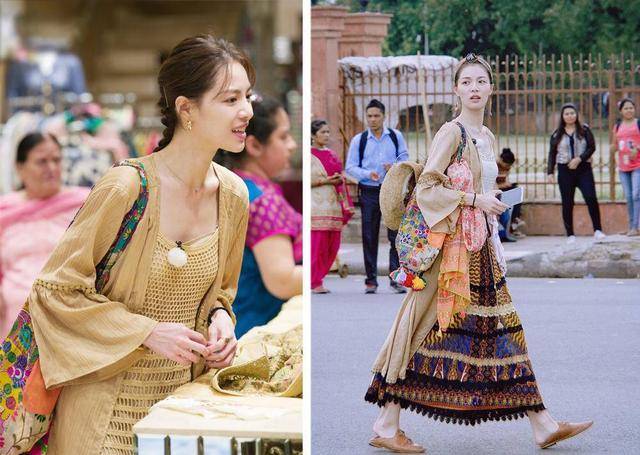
371, 154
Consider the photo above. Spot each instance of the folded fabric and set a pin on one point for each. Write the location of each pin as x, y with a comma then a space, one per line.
215, 409
277, 371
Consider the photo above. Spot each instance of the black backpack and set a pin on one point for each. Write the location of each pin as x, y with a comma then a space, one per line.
363, 143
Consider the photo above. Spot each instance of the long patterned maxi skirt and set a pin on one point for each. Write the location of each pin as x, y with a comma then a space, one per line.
478, 370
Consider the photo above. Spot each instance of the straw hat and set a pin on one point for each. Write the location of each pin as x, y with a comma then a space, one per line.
394, 189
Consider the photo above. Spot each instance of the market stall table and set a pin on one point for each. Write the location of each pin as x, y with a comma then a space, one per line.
194, 418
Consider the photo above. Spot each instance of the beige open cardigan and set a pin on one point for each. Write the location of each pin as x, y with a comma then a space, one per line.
86, 339
439, 206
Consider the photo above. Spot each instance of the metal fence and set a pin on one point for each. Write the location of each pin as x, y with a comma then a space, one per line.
529, 91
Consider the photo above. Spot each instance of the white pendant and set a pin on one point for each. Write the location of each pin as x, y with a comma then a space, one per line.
176, 256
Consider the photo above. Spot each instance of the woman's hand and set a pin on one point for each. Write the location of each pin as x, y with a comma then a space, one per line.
222, 344
574, 163
176, 342
335, 179
490, 204
551, 178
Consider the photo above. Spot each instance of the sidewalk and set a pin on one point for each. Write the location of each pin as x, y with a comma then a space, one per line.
617, 256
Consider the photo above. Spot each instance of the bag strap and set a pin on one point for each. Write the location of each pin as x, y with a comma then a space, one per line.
127, 227
619, 122
363, 144
394, 138
463, 141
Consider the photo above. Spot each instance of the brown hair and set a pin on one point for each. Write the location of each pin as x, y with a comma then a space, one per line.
471, 59
317, 125
624, 101
190, 70
31, 141
560, 130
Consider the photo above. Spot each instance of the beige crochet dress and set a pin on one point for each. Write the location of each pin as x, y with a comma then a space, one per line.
173, 295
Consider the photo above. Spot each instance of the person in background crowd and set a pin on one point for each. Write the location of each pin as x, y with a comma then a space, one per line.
32, 220
571, 147
371, 154
627, 136
271, 265
509, 220
331, 205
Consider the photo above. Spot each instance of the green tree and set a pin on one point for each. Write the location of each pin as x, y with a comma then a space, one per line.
490, 27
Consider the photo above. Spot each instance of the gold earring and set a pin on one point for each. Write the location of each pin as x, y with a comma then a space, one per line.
189, 125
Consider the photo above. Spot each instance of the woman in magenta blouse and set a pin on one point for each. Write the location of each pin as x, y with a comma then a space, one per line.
271, 266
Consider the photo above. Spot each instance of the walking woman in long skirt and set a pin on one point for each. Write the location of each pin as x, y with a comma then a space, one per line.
456, 351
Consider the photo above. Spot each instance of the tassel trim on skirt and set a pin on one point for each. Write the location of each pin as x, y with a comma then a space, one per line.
476, 371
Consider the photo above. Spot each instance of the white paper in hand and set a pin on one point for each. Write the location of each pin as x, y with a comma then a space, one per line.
512, 197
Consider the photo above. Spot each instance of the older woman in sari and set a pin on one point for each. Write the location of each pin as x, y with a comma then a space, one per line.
32, 221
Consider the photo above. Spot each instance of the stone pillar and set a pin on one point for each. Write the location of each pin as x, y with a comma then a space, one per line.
327, 23
363, 34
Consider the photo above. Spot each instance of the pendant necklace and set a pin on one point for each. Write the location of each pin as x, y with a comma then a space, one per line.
177, 256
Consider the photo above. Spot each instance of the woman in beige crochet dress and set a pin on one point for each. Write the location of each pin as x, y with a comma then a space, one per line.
156, 324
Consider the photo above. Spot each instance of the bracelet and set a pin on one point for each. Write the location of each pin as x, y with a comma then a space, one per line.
473, 204
213, 311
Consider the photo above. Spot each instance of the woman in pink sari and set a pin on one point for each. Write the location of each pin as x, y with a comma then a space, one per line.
32, 221
331, 205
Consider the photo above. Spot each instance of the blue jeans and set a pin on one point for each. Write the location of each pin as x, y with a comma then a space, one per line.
631, 185
504, 222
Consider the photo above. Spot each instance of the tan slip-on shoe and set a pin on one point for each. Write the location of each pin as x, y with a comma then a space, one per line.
565, 430
400, 443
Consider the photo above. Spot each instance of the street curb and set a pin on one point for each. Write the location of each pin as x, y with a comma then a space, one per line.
611, 258
607, 259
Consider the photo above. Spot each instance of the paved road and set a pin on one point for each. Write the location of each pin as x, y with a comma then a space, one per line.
582, 335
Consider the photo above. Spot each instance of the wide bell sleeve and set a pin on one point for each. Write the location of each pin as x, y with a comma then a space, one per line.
82, 335
438, 202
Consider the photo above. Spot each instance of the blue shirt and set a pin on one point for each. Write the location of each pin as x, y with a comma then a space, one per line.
377, 152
